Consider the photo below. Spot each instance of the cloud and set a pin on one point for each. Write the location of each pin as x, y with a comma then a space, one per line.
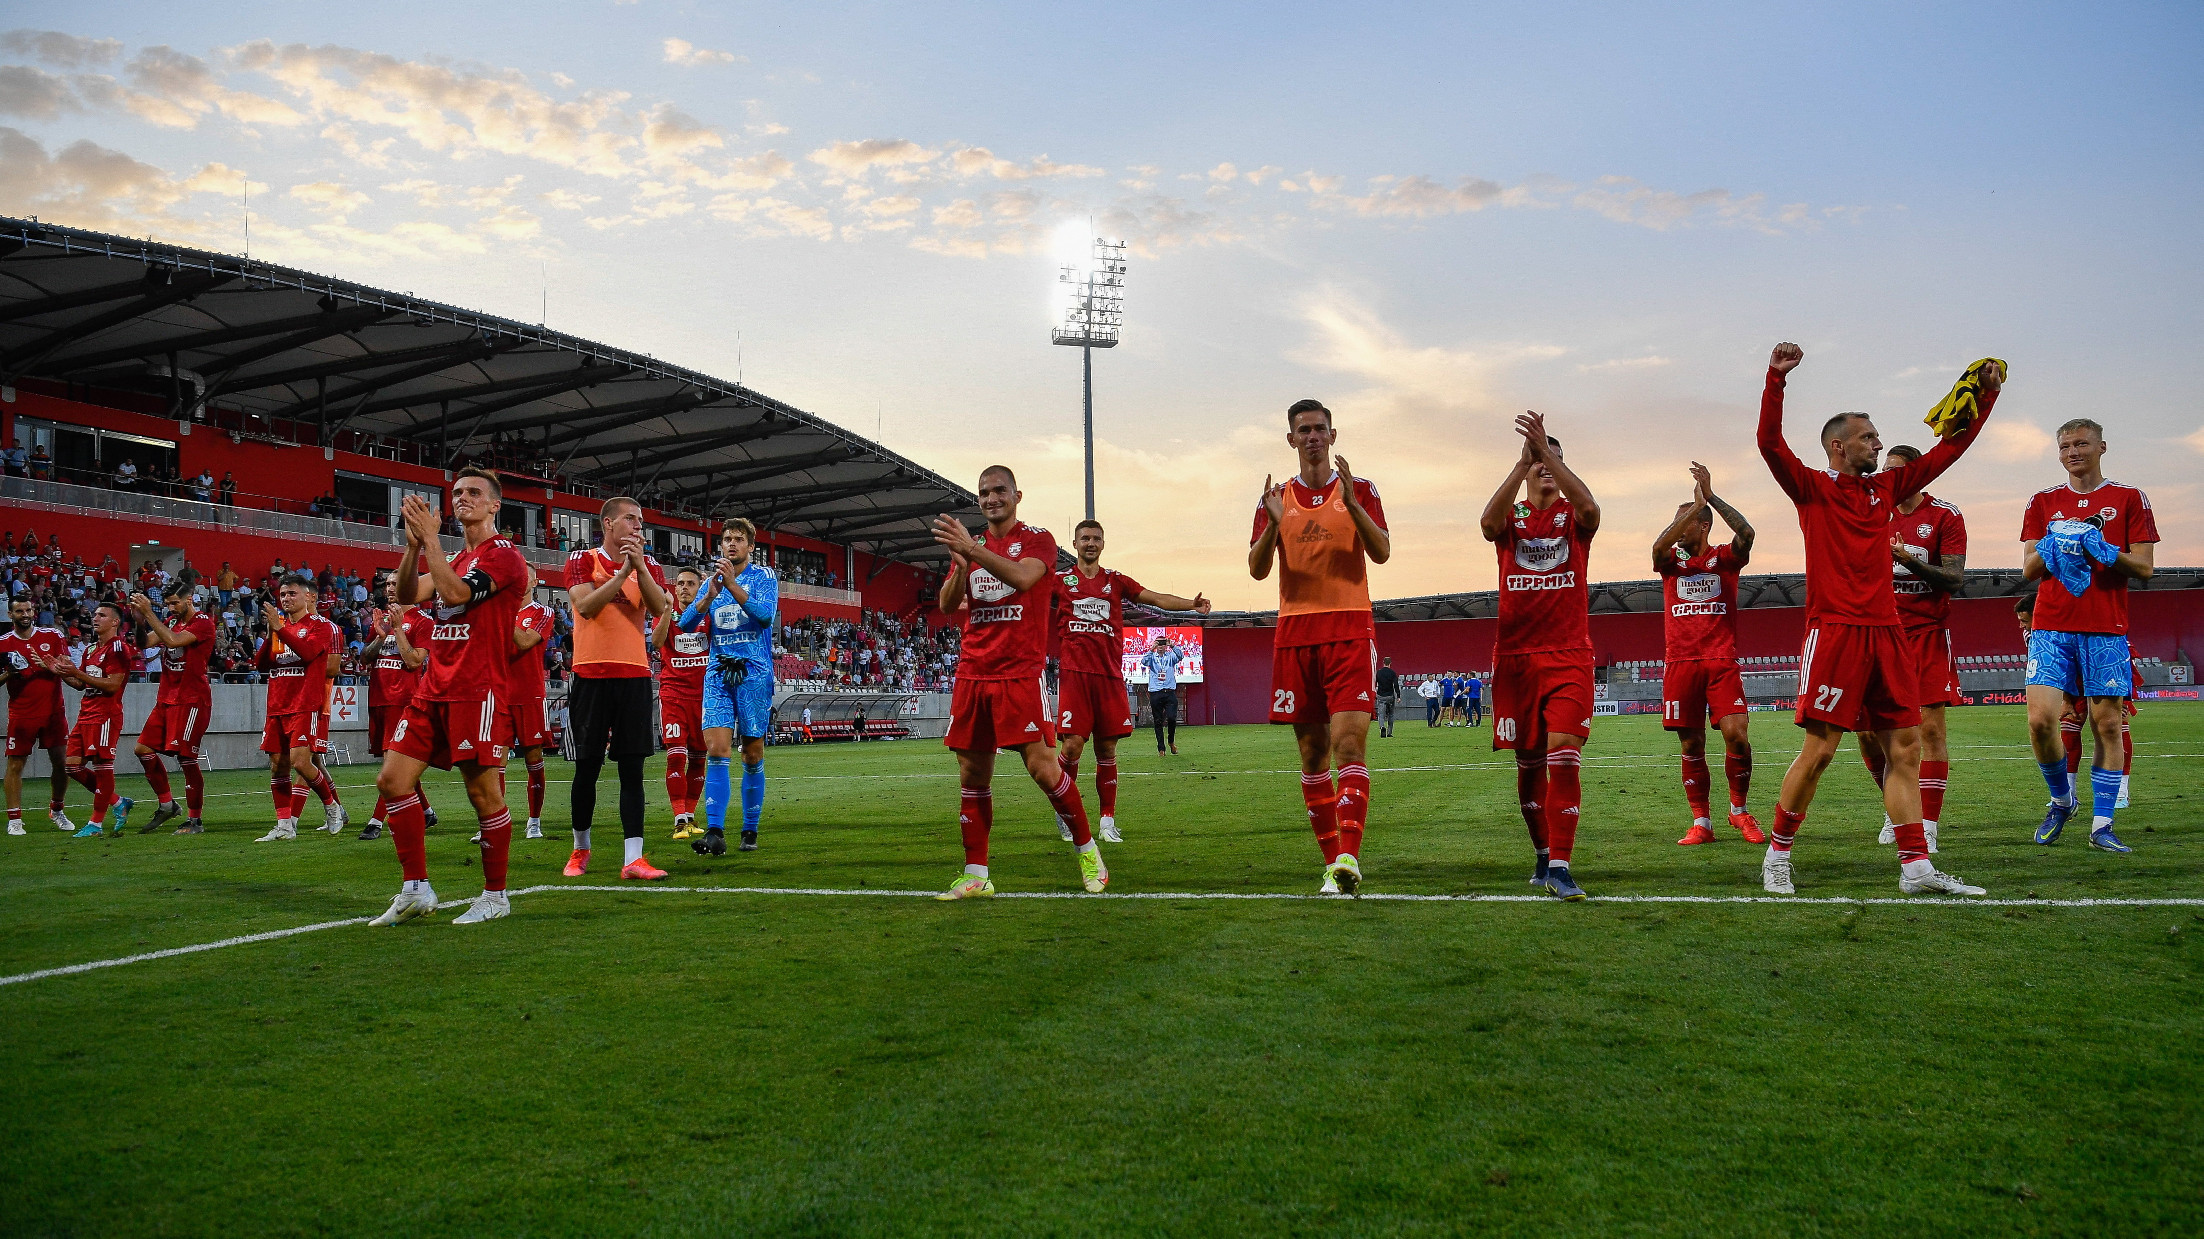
975, 160
858, 158
511, 224
1647, 362
683, 52
63, 51
89, 185
2012, 440
35, 94
1420, 197
328, 197
2194, 440
963, 213
565, 199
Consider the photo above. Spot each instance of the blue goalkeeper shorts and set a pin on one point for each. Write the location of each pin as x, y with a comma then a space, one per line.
747, 711
2081, 664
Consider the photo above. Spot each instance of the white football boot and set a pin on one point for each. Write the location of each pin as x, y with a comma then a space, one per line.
1108, 832
285, 828
1930, 882
1775, 873
488, 906
332, 818
408, 905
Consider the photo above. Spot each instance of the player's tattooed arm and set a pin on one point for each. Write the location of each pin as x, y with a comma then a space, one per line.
1532, 426
1264, 551
1741, 531
1375, 540
1947, 574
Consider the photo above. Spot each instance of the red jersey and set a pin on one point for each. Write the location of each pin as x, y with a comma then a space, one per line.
1699, 601
2127, 520
1323, 568
1094, 621
105, 659
681, 667
1005, 629
527, 666
298, 674
1846, 518
472, 642
394, 684
1545, 581
33, 690
184, 671
1931, 531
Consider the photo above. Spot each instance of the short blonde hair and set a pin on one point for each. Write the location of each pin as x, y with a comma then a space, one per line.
615, 503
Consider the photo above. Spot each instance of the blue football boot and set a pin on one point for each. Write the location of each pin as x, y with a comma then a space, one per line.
2055, 818
2104, 840
1560, 885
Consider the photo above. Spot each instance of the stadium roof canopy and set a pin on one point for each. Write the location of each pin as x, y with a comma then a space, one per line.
123, 313
1776, 589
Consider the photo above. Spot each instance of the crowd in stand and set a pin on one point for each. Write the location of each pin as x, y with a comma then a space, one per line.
877, 651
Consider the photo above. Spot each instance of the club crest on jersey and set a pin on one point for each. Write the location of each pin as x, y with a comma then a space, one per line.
1012, 550
1541, 554
1921, 531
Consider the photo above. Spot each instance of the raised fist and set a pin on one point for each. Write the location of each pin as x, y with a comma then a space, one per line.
1786, 357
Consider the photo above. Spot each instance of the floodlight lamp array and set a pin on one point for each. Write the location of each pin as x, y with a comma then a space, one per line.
1096, 309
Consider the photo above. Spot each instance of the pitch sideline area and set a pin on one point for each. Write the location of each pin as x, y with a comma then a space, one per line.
797, 1041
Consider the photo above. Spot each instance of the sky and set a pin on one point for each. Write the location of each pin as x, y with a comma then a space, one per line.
1430, 218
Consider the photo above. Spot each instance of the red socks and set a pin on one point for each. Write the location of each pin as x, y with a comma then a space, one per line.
279, 790
1530, 793
1323, 805
677, 784
323, 786
1564, 796
157, 775
1354, 807
1738, 770
1785, 831
195, 783
1070, 767
1696, 778
1935, 775
409, 833
975, 819
535, 791
2127, 748
1064, 798
1105, 786
1913, 842
497, 844
103, 788
297, 807
2070, 734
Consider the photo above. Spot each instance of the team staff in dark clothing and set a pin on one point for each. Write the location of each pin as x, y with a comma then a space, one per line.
1388, 691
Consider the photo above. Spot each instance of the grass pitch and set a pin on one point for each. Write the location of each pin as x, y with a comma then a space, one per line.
674, 1062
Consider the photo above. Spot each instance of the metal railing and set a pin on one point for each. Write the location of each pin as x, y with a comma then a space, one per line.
193, 514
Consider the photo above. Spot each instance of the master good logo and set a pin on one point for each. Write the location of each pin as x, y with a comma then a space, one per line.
1541, 554
987, 587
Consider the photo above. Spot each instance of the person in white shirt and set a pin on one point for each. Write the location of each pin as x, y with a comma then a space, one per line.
1429, 691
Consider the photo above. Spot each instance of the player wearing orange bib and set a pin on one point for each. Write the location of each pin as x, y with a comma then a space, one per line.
1323, 528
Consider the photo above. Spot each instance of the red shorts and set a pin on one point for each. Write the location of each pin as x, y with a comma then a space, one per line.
531, 723
1093, 705
284, 732
176, 726
1929, 650
1698, 689
446, 733
680, 724
27, 734
381, 721
1857, 677
998, 714
1534, 695
94, 736
1310, 683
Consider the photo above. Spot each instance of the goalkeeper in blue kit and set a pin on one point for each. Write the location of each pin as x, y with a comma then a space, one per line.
734, 612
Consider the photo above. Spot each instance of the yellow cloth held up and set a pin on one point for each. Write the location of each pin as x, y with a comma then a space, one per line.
1957, 411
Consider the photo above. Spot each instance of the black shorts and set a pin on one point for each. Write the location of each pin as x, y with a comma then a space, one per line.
614, 711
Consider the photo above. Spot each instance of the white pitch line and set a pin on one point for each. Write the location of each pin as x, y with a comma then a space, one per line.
1212, 896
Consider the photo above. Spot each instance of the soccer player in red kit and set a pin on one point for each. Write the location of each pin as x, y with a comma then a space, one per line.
457, 715
1928, 564
1542, 659
682, 659
299, 656
1324, 527
1091, 700
532, 626
1853, 671
1699, 621
401, 655
1002, 581
38, 718
101, 672
179, 718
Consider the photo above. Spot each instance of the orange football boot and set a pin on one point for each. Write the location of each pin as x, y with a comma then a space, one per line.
1696, 835
640, 869
1748, 827
578, 863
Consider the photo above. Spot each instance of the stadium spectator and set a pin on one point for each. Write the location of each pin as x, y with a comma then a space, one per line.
14, 461
41, 465
228, 492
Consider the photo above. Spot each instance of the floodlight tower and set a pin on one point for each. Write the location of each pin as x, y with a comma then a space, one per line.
1092, 316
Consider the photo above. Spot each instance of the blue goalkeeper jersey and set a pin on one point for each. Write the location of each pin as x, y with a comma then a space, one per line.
738, 630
